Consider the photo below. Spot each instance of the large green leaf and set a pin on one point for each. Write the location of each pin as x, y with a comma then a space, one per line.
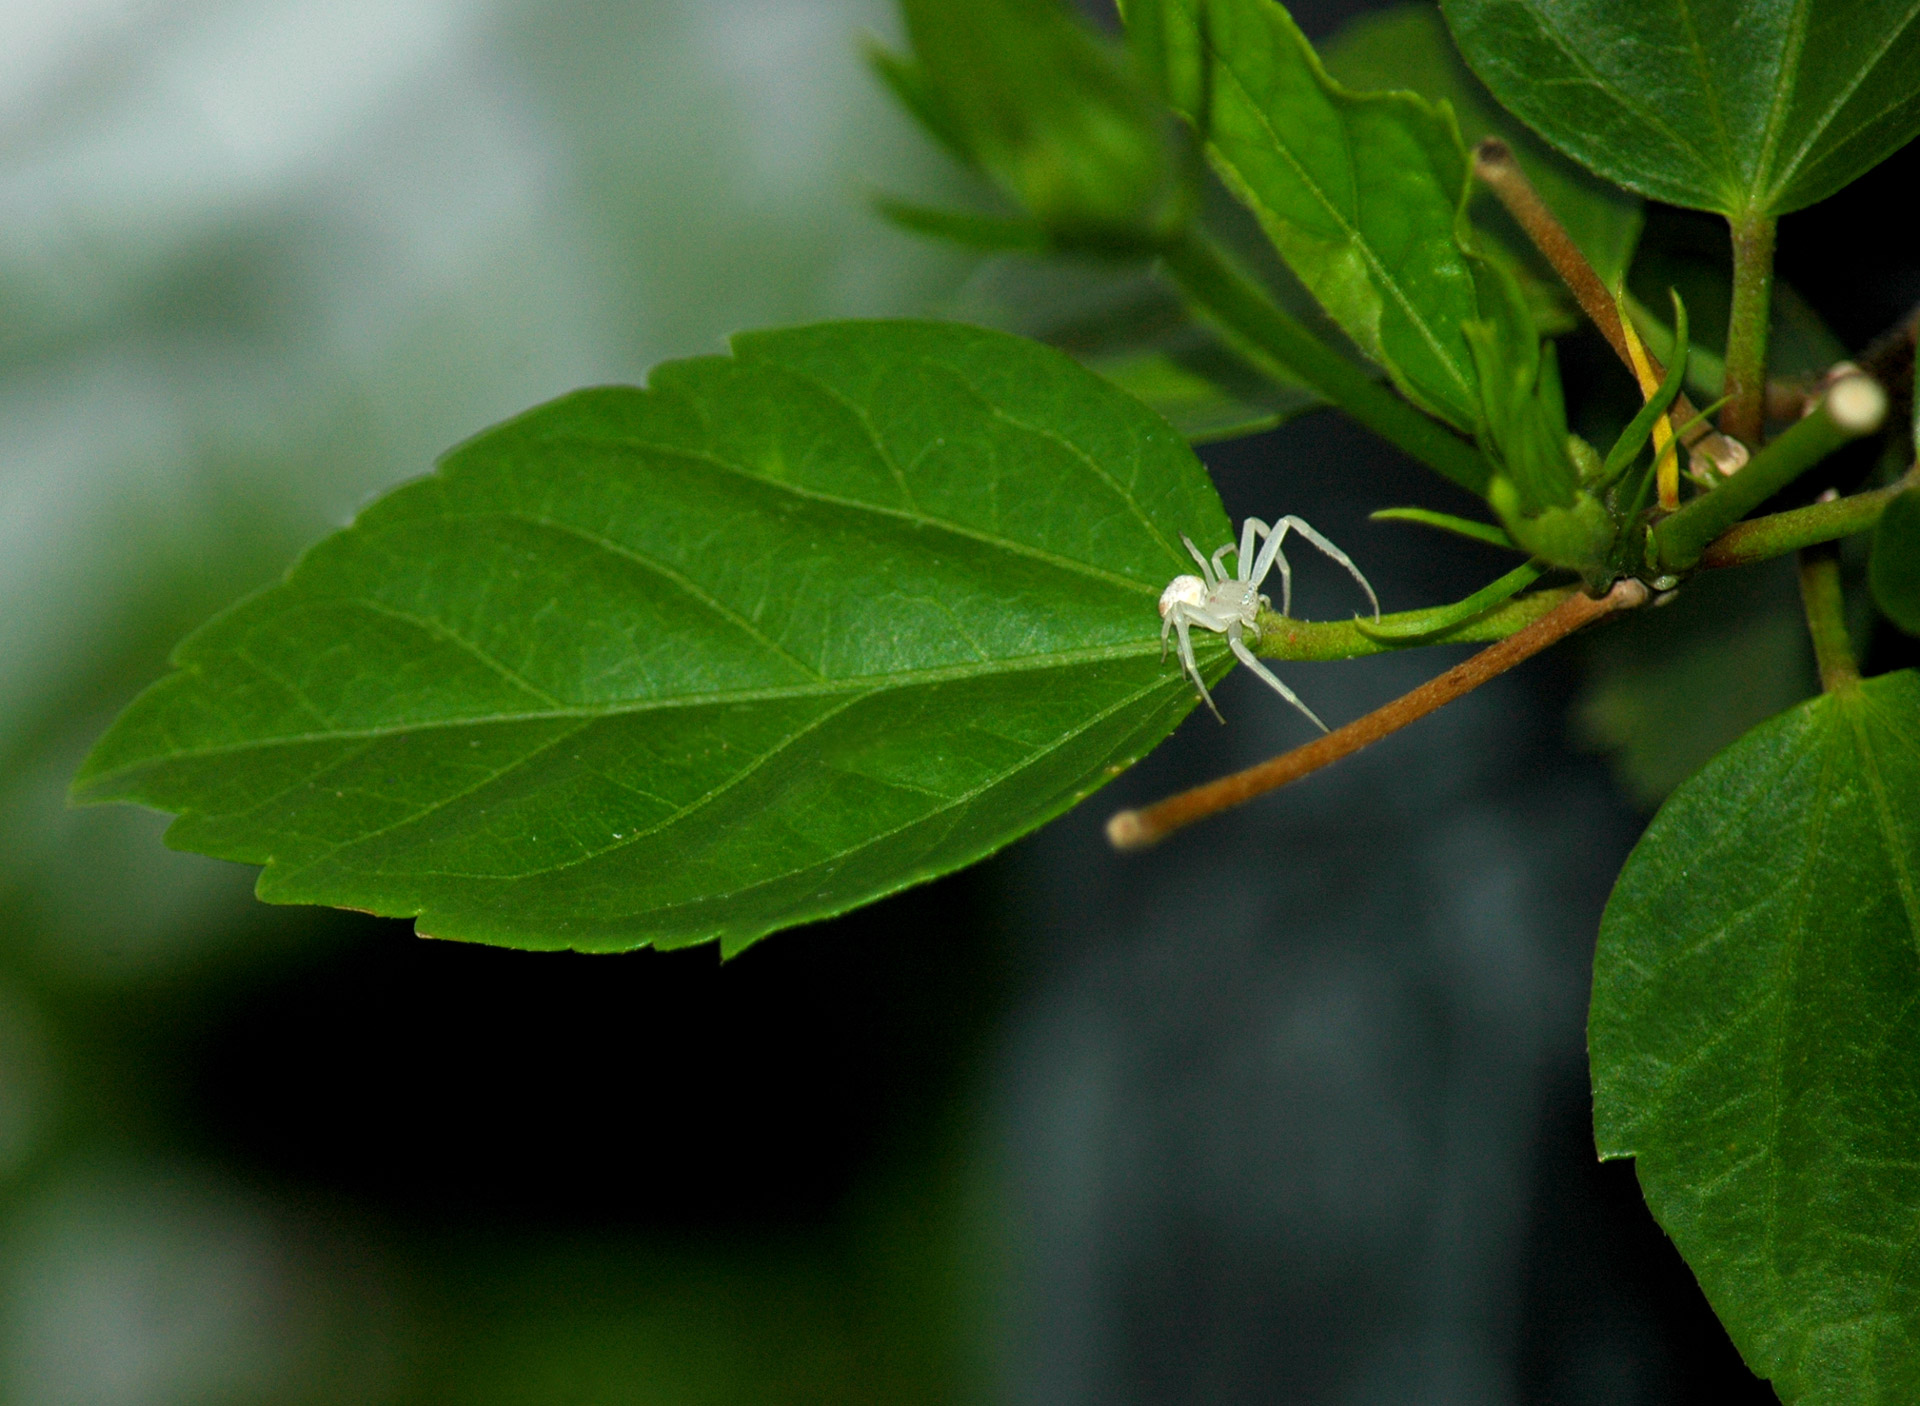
1360, 193
1741, 106
780, 634
1409, 47
1895, 567
1755, 1042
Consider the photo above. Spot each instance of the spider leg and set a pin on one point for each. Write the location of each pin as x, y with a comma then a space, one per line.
1271, 556
1324, 545
1188, 663
1219, 566
1206, 571
1246, 656
1251, 531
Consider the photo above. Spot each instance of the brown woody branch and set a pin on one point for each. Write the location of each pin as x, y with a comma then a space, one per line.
1136, 829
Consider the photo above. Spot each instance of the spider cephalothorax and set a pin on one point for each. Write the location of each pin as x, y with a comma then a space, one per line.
1231, 604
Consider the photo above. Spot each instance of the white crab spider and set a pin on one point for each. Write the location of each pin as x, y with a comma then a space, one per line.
1231, 604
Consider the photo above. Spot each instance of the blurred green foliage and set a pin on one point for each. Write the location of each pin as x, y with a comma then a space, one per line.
258, 264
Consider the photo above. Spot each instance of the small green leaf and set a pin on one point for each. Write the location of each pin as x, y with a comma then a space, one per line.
1895, 567
1408, 47
1447, 522
1167, 49
1523, 415
1447, 617
1747, 107
1538, 493
911, 90
781, 634
1754, 1044
1362, 194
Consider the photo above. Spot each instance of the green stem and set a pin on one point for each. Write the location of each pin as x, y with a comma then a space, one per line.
1746, 384
1284, 638
1854, 406
1827, 618
1460, 612
1763, 538
1228, 296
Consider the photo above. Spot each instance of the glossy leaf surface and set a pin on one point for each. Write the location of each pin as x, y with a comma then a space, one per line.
778, 635
1409, 47
1895, 568
1740, 106
1754, 1039
1360, 193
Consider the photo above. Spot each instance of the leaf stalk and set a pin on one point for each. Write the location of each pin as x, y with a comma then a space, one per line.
1747, 325
1826, 610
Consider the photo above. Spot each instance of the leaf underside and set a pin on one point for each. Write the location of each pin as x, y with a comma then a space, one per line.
1755, 1037
1747, 107
780, 634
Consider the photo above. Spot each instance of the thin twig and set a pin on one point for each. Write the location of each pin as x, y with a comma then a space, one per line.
1494, 165
1827, 617
1764, 538
1136, 829
1854, 406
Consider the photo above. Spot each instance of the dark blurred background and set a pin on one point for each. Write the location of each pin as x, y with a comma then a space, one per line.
1293, 1109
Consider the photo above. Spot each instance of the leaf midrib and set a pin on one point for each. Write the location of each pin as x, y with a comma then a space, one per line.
679, 813
868, 683
1033, 758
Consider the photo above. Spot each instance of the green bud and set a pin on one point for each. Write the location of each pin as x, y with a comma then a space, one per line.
1586, 460
1579, 537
